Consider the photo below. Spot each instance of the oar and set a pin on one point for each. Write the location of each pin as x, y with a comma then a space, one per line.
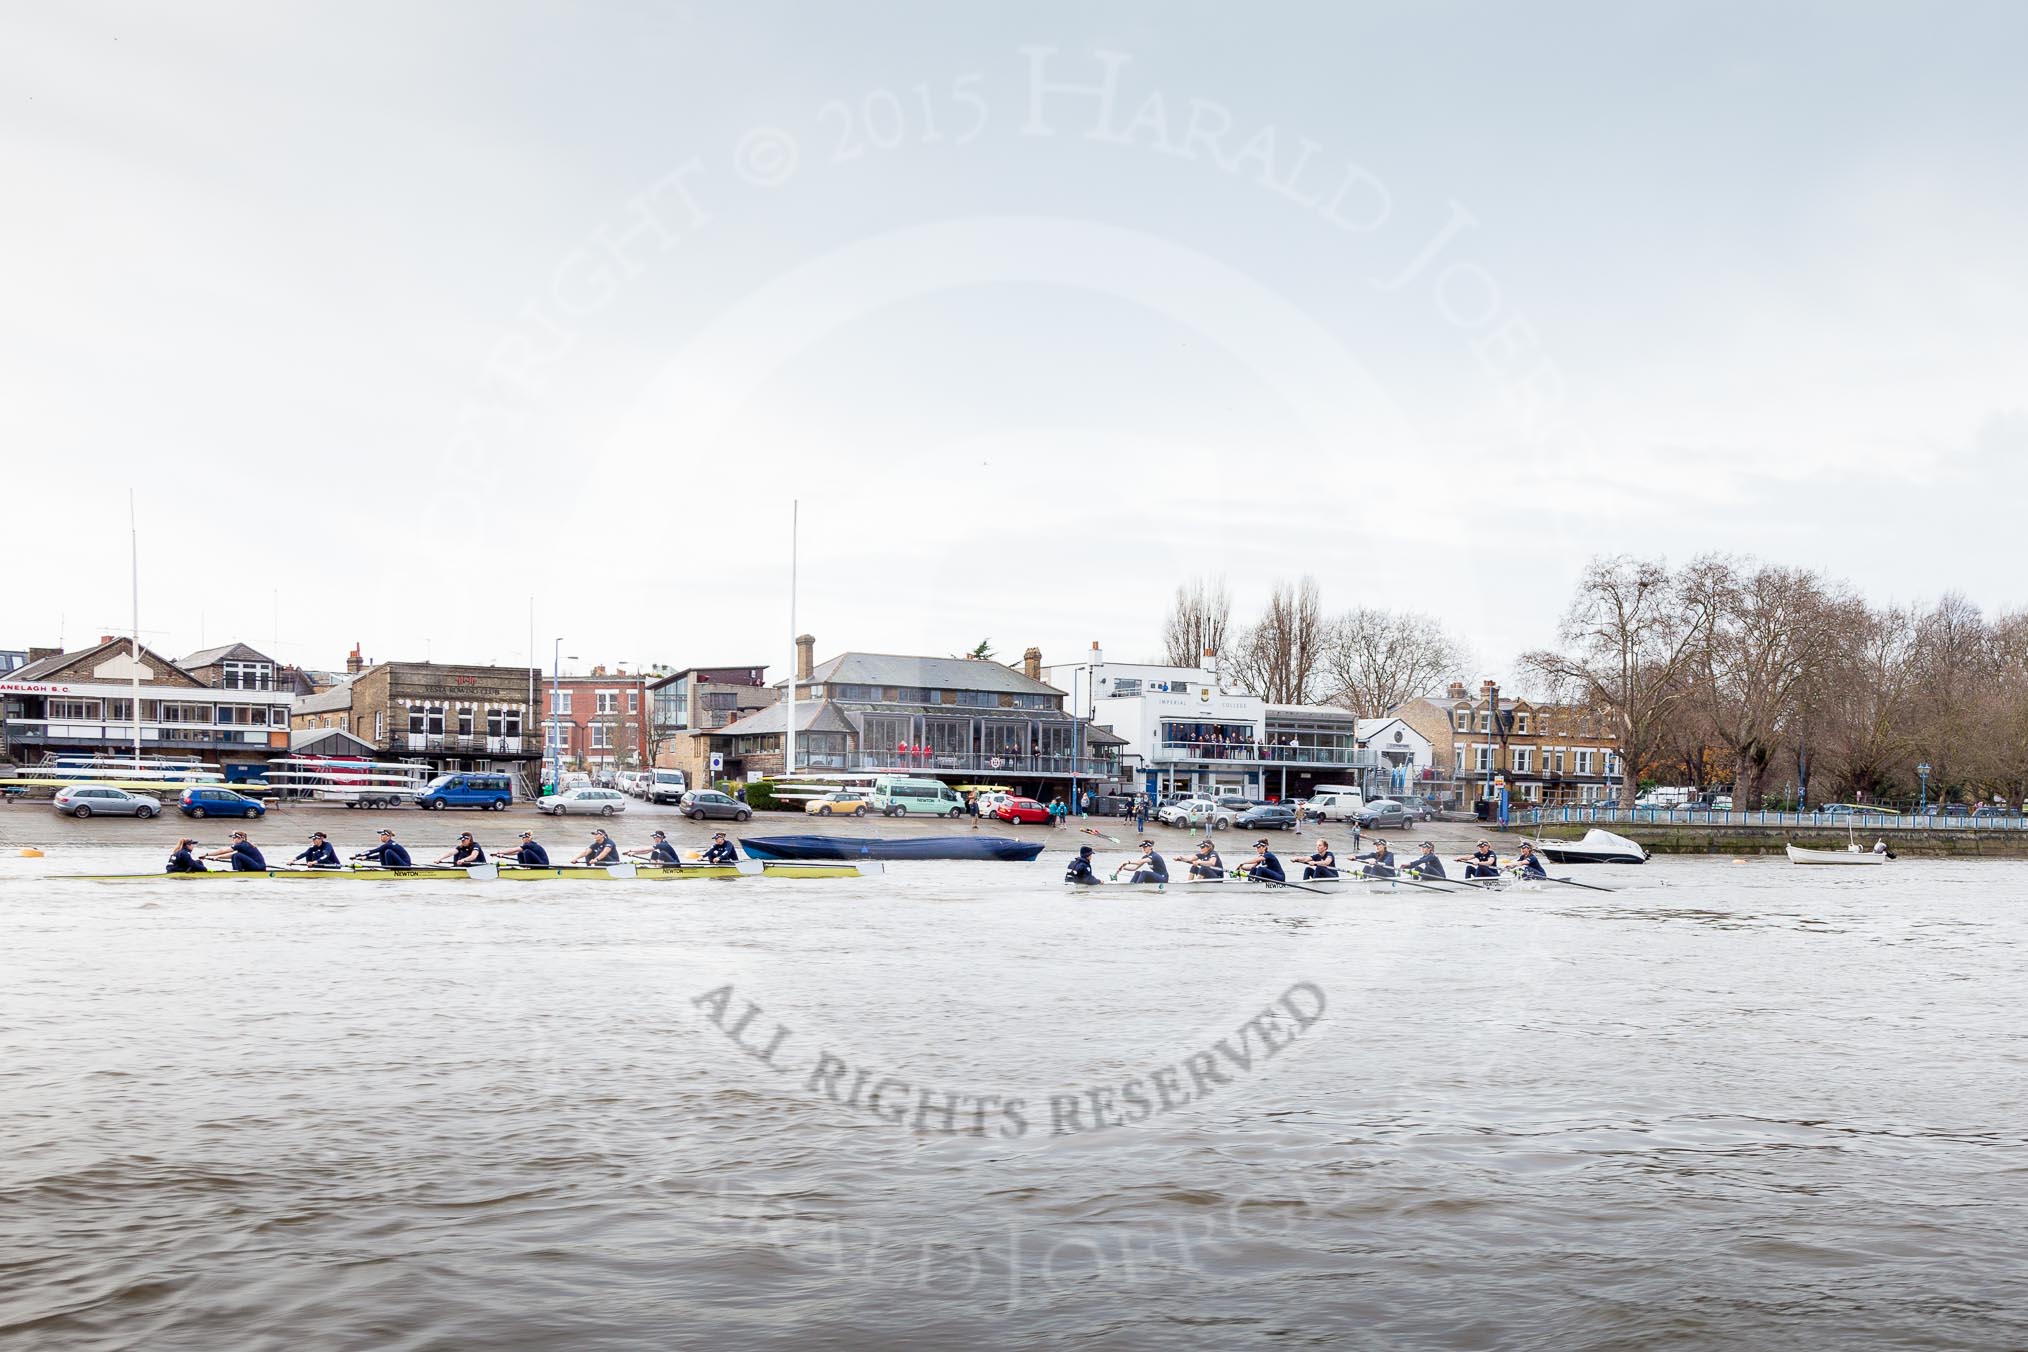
1567, 882
1397, 878
1100, 834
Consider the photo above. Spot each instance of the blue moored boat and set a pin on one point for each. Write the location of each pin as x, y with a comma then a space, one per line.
871, 847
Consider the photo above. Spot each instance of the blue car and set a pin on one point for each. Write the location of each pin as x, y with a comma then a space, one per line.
471, 789
219, 803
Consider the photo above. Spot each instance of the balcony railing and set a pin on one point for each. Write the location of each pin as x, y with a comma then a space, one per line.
462, 743
985, 763
43, 731
1260, 753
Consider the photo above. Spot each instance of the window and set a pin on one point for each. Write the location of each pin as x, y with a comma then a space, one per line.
1461, 758
1464, 721
559, 701
1482, 757
608, 702
79, 709
1521, 724
465, 716
633, 701
720, 700
601, 737
1583, 761
552, 737
380, 727
503, 722
1485, 721
1524, 759
246, 676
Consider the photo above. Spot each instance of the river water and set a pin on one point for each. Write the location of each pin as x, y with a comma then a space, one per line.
1728, 1105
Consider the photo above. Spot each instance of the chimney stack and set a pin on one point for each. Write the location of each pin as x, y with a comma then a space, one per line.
354, 663
105, 638
806, 656
1457, 690
1097, 657
1031, 664
1487, 689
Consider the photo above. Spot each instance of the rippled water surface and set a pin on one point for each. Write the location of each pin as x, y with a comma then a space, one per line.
1730, 1105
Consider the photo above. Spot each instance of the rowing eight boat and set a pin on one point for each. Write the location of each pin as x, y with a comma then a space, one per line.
745, 868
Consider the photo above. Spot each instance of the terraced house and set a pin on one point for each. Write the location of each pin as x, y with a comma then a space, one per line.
1552, 754
447, 716
958, 719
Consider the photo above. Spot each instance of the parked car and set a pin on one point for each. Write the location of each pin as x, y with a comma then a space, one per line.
1419, 809
1335, 805
840, 802
989, 803
211, 802
472, 789
899, 795
601, 802
1847, 809
1990, 812
1196, 812
1022, 810
1383, 812
665, 786
1268, 817
103, 800
701, 803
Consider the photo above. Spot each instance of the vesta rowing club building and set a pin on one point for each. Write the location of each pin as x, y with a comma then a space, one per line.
444, 715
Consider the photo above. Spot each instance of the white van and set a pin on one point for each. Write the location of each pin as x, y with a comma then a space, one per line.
665, 786
1331, 801
898, 795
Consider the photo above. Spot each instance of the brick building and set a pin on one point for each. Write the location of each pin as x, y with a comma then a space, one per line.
687, 706
81, 703
1545, 753
597, 723
445, 715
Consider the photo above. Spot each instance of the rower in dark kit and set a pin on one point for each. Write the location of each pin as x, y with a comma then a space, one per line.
319, 855
529, 854
1205, 865
722, 851
1481, 863
1320, 862
1079, 871
465, 854
1379, 860
600, 851
1528, 864
1149, 868
388, 853
245, 858
1426, 864
181, 860
661, 852
1264, 867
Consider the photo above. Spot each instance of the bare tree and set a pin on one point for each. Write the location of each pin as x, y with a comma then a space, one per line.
1277, 658
1856, 711
1197, 622
1770, 629
1628, 640
1375, 660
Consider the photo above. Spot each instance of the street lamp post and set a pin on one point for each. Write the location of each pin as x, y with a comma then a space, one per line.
555, 719
1922, 771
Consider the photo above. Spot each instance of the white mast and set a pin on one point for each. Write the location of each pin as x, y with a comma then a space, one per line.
134, 560
789, 725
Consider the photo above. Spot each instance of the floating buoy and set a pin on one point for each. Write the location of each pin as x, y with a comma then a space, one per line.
30, 852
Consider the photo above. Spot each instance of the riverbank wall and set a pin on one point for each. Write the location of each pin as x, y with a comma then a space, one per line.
1690, 838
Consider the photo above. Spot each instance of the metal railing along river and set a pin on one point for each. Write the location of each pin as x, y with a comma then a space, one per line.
1857, 821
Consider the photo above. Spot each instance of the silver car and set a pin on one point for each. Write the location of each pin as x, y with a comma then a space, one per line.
103, 800
603, 802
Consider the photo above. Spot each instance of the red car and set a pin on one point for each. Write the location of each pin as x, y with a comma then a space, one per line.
1021, 810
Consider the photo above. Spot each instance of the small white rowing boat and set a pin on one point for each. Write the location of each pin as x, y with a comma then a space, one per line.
1851, 854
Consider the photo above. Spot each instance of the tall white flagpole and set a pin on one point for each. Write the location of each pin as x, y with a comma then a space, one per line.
134, 560
789, 725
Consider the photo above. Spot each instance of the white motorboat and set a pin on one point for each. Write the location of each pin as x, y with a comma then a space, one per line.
1596, 847
1851, 854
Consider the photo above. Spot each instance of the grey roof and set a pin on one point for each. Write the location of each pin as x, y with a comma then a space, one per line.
302, 739
325, 702
811, 716
238, 652
936, 673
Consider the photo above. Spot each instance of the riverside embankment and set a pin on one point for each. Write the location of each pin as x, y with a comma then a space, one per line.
1699, 838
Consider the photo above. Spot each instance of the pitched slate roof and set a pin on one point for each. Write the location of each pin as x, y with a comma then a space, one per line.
50, 667
235, 652
821, 716
936, 673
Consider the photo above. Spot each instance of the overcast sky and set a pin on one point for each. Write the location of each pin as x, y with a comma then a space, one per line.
399, 315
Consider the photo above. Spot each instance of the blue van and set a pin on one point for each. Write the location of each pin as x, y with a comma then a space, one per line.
469, 789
